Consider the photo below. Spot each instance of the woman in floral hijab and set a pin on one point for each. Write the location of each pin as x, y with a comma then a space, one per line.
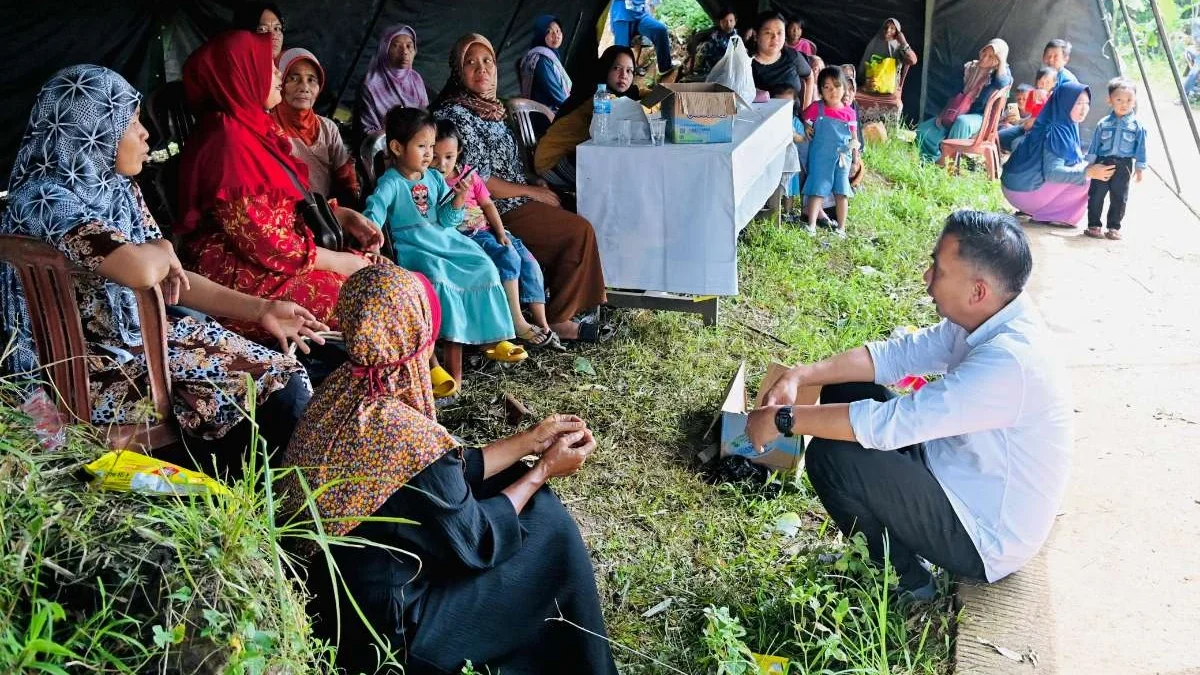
71, 187
494, 545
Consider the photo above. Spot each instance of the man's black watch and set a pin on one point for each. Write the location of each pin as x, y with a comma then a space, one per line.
784, 420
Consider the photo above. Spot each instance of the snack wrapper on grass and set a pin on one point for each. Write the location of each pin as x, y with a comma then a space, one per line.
128, 471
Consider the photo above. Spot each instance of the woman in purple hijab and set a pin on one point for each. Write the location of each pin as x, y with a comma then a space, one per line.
391, 80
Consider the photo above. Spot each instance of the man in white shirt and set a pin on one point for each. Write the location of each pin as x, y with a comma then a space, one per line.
981, 455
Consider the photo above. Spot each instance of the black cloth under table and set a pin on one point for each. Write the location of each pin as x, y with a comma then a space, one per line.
873, 491
488, 580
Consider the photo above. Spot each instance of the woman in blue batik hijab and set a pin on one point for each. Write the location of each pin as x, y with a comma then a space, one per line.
543, 77
71, 188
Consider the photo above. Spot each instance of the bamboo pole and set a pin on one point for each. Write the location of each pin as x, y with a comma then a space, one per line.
926, 57
1183, 98
1137, 54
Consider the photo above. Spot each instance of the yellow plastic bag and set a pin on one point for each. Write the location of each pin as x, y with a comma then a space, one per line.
129, 471
881, 75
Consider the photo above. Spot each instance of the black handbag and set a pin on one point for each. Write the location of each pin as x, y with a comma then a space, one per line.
314, 210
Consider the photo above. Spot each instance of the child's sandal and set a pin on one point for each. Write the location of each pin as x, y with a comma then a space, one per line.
1114, 235
1094, 233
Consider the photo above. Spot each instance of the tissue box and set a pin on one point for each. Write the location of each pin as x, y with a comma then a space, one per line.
695, 112
782, 454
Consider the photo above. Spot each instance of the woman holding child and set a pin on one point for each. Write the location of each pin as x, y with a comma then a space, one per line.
1047, 176
496, 555
562, 242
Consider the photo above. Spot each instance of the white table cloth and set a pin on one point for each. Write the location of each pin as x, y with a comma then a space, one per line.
667, 218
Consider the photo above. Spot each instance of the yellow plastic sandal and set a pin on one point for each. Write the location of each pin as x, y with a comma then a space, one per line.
444, 385
506, 352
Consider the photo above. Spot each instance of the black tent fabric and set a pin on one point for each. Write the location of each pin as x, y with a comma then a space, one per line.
147, 40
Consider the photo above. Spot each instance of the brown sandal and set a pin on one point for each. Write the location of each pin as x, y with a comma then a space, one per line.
1094, 233
1113, 234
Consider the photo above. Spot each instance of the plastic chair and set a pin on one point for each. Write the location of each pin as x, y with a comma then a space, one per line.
169, 114
984, 143
58, 335
521, 112
884, 104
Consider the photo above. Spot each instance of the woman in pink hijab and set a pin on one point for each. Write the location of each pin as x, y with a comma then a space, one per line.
391, 80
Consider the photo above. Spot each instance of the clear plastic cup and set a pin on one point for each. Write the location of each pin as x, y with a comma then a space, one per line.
624, 132
658, 131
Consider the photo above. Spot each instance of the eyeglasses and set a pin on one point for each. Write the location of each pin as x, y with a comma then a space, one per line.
269, 28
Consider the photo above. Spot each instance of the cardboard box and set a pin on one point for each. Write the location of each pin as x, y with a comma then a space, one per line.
695, 112
782, 454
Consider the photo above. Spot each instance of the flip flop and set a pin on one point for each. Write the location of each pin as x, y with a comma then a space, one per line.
549, 339
1094, 233
1113, 235
506, 352
444, 384
591, 332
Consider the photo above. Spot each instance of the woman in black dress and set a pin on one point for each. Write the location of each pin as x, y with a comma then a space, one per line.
775, 63
493, 553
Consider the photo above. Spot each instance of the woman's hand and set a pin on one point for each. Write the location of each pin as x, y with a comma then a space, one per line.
550, 429
1028, 123
1099, 172
543, 194
567, 454
176, 282
288, 322
368, 235
341, 262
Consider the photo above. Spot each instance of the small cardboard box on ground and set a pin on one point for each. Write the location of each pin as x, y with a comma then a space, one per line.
782, 454
695, 112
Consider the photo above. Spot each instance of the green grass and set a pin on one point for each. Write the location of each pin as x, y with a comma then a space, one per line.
111, 583
107, 582
656, 529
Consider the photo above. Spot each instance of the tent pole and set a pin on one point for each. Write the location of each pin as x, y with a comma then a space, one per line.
1183, 97
1137, 53
926, 55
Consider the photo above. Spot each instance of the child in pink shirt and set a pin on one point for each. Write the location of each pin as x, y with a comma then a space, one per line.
795, 31
520, 273
832, 127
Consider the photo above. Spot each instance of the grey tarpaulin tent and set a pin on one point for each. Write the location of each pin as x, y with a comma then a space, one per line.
146, 40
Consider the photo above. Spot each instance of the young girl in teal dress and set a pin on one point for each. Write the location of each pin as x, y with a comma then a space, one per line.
414, 204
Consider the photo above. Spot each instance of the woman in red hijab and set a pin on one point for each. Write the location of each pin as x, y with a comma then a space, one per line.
238, 187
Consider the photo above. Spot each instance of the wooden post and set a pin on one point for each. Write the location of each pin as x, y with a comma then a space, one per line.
1137, 53
926, 56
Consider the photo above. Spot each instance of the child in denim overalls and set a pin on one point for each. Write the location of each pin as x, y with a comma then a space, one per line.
832, 127
1119, 140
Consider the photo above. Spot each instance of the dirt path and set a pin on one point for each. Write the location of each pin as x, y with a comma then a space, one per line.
1123, 562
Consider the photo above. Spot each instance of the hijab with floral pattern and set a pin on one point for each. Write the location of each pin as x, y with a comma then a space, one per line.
485, 105
65, 176
372, 425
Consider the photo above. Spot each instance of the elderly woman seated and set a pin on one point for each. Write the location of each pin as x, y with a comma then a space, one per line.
564, 243
71, 188
492, 553
239, 185
315, 139
391, 79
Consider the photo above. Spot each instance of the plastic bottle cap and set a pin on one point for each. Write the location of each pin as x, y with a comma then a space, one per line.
601, 87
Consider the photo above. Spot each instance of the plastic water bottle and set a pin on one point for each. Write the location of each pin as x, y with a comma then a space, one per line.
601, 111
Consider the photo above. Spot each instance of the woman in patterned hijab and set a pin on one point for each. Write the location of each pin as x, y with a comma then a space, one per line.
482, 539
71, 188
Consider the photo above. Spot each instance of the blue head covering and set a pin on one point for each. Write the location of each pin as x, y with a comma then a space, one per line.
64, 176
1054, 131
541, 26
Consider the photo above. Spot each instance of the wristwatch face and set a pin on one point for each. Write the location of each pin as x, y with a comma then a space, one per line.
783, 421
